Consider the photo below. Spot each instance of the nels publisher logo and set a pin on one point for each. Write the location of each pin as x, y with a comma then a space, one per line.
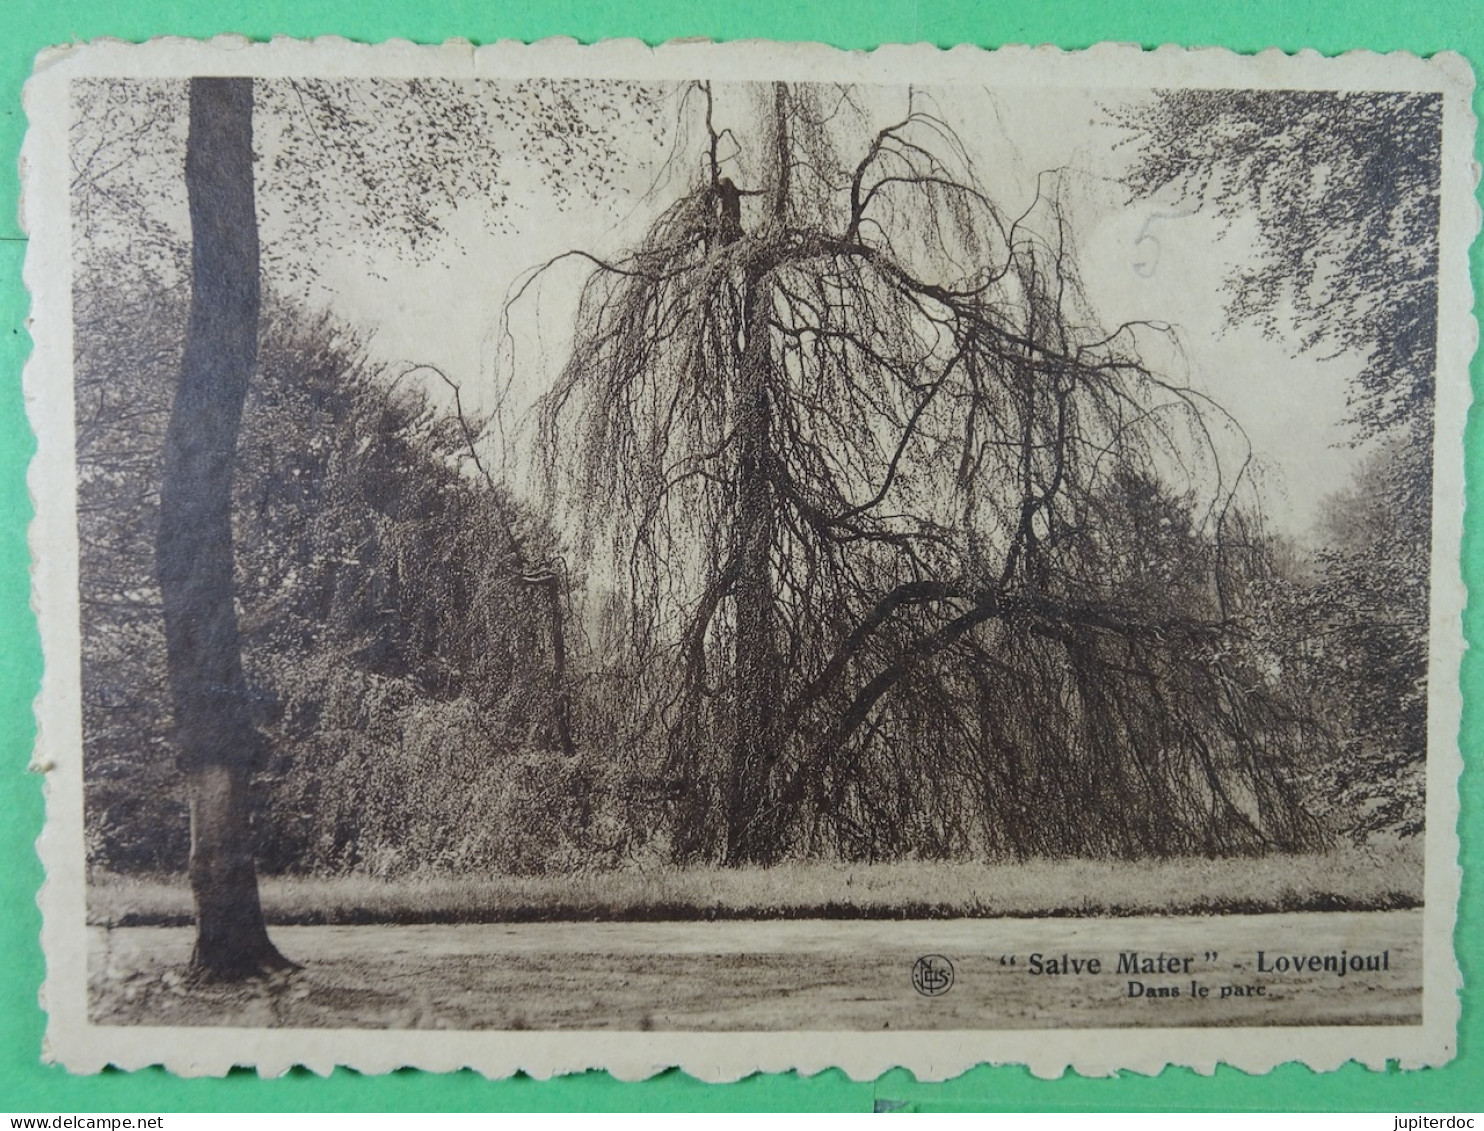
932, 975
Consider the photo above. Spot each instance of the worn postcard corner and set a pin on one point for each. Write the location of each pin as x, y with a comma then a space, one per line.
747, 557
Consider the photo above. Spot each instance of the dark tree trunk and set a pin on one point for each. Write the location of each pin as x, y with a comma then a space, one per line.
753, 833
218, 746
754, 817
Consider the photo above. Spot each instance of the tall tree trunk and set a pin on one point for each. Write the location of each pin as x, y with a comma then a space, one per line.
753, 833
218, 746
754, 818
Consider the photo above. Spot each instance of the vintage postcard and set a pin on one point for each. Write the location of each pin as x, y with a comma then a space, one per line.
747, 557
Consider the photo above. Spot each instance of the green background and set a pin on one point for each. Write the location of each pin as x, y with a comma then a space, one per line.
26, 26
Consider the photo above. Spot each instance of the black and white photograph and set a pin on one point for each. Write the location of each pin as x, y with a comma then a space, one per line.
563, 557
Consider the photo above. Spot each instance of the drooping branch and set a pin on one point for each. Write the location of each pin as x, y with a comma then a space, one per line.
544, 578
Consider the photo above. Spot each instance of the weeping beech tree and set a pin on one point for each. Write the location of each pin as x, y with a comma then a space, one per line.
916, 558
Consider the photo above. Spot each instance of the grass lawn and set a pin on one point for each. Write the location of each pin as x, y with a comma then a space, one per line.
1353, 879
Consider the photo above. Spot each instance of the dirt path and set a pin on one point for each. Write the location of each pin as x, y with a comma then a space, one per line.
811, 974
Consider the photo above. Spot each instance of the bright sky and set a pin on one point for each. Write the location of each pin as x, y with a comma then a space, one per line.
1156, 260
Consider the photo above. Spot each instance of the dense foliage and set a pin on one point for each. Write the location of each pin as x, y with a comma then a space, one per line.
399, 653
1344, 188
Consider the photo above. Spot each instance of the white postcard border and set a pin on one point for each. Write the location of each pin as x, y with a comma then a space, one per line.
85, 1047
